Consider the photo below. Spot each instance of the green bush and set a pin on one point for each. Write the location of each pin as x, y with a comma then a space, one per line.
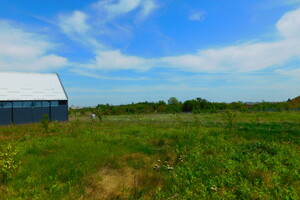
229, 117
98, 112
8, 164
45, 122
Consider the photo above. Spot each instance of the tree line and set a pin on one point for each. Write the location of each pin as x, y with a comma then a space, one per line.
197, 105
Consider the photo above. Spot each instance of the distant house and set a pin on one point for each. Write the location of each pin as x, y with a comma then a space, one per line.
27, 97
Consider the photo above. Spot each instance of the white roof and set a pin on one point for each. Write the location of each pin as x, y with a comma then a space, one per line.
17, 86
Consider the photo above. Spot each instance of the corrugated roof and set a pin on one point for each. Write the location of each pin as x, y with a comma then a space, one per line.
19, 86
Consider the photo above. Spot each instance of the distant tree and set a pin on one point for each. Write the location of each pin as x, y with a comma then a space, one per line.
237, 106
174, 106
173, 101
161, 108
99, 113
161, 103
190, 105
203, 103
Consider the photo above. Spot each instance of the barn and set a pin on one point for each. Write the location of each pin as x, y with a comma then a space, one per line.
27, 97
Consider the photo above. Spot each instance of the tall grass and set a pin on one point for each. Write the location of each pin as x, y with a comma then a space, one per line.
197, 158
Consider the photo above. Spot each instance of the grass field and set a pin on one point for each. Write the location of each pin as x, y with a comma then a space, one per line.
182, 156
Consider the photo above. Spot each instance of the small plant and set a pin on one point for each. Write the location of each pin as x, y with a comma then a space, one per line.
8, 164
178, 119
45, 122
257, 121
162, 166
54, 126
229, 118
74, 127
98, 112
198, 120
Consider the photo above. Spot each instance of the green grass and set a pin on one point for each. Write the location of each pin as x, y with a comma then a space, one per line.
199, 158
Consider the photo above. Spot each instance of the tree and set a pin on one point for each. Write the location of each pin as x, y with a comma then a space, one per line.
173, 101
98, 112
203, 103
190, 105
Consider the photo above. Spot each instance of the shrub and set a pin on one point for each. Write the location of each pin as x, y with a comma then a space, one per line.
45, 122
229, 117
98, 112
8, 164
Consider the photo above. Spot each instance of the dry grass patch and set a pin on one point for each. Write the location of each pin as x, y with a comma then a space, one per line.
135, 179
110, 183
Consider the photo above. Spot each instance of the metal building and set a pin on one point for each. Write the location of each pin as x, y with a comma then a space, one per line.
27, 97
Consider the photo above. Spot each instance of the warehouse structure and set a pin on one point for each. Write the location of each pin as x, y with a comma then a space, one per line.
27, 97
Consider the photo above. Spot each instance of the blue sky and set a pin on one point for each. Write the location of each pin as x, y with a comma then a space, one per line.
123, 51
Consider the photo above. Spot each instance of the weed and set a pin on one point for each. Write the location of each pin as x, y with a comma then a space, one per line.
178, 119
45, 122
229, 117
8, 163
98, 112
257, 121
197, 119
73, 127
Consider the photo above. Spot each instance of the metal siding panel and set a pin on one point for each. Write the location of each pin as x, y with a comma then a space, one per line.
60, 113
5, 116
38, 114
22, 115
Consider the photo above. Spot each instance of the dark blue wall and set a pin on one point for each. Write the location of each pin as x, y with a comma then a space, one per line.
5, 116
38, 114
22, 115
29, 114
60, 113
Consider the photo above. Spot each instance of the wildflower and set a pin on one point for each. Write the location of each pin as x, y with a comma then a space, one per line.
156, 167
214, 188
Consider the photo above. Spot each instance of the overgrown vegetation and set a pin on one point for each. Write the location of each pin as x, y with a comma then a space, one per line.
8, 164
196, 106
160, 156
45, 122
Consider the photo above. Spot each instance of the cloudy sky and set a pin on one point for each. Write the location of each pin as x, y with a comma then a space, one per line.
123, 51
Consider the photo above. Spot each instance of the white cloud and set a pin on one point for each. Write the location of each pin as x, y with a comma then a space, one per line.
197, 16
115, 60
88, 26
74, 23
148, 6
289, 72
247, 56
289, 25
78, 28
120, 8
25, 51
114, 9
